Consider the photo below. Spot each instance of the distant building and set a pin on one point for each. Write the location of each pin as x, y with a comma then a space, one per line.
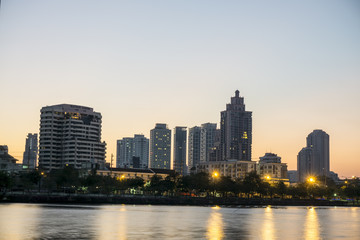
144, 173
180, 150
160, 147
193, 147
314, 159
236, 130
70, 135
304, 164
215, 151
230, 168
128, 148
8, 162
271, 169
31, 151
293, 176
207, 140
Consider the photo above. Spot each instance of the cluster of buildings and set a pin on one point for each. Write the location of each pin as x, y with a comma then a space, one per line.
70, 135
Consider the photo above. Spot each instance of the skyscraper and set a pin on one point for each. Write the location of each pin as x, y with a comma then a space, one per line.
128, 148
193, 147
180, 150
236, 130
314, 159
160, 147
31, 150
207, 139
70, 135
304, 164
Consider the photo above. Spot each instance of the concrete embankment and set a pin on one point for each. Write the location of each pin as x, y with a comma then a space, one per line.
160, 200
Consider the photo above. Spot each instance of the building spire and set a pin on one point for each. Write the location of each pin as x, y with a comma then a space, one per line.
237, 93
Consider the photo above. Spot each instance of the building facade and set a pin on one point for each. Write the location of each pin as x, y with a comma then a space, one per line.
207, 140
314, 159
160, 147
31, 151
132, 152
236, 130
193, 147
230, 168
70, 135
180, 165
271, 169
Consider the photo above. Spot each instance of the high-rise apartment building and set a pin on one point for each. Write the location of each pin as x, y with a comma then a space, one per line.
70, 135
31, 151
133, 149
180, 150
193, 147
207, 140
314, 159
236, 130
160, 147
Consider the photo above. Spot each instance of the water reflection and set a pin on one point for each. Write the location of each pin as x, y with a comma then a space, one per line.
215, 225
268, 231
15, 216
112, 223
312, 225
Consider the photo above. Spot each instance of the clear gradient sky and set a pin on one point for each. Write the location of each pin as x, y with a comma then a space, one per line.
296, 63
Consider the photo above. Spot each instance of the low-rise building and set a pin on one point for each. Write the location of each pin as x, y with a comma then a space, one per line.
271, 169
145, 174
230, 168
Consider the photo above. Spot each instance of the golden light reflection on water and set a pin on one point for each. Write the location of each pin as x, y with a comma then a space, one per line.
268, 231
215, 225
15, 216
113, 224
312, 225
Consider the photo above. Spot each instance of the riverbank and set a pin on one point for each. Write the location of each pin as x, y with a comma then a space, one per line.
62, 198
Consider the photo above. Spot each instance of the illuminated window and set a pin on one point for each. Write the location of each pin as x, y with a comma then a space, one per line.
245, 136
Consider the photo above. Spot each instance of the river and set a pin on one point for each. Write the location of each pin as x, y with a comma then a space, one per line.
45, 221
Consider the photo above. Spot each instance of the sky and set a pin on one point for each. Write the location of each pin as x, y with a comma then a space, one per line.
138, 63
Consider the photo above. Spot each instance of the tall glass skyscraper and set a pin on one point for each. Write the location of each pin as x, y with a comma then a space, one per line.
236, 130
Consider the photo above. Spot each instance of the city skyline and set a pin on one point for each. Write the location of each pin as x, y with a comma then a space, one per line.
141, 64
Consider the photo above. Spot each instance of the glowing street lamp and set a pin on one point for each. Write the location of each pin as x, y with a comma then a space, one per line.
215, 175
311, 180
267, 177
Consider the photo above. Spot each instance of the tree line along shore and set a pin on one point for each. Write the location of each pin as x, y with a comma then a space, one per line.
69, 185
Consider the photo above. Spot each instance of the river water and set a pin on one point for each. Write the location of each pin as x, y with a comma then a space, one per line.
45, 221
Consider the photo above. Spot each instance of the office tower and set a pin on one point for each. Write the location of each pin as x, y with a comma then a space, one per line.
31, 151
141, 150
314, 159
160, 147
215, 151
124, 152
318, 141
180, 150
70, 135
236, 130
304, 164
130, 149
207, 140
193, 147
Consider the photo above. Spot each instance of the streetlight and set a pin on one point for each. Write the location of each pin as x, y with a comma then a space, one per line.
267, 177
311, 180
215, 175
